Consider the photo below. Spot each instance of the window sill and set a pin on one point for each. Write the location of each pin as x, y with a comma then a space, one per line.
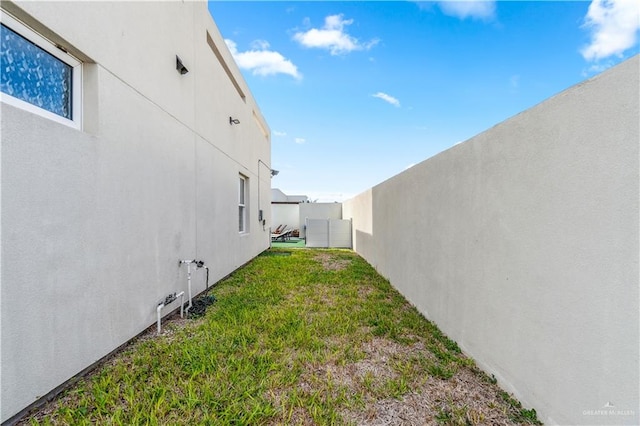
26, 106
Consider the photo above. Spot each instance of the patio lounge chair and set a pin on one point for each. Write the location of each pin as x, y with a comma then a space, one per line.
285, 235
278, 232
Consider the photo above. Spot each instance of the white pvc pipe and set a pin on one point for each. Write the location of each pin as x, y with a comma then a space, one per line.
161, 305
159, 313
189, 285
181, 296
188, 262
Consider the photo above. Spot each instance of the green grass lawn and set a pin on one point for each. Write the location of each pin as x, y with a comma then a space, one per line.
295, 337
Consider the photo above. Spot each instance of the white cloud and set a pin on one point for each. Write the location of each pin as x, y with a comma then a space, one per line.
614, 26
262, 61
260, 45
597, 67
475, 9
299, 140
333, 37
387, 98
514, 81
514, 84
277, 133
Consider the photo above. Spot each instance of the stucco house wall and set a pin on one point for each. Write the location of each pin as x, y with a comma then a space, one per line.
278, 196
95, 219
524, 248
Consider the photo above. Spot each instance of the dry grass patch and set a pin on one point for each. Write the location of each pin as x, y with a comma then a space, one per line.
330, 262
465, 399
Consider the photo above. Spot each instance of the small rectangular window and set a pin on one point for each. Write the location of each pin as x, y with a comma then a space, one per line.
242, 204
37, 75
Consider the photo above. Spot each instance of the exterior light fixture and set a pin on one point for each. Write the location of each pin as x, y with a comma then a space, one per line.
274, 172
180, 66
233, 120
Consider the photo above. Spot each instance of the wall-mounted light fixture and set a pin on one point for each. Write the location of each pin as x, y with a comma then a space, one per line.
274, 172
180, 66
233, 120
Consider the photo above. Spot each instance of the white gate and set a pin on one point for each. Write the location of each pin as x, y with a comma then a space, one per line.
328, 233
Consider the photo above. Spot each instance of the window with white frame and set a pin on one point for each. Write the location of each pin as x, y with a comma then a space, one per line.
242, 204
37, 75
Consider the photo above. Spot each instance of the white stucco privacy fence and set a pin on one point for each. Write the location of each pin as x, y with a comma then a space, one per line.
524, 249
325, 233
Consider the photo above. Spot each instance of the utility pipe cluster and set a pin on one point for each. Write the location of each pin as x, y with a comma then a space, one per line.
199, 264
172, 297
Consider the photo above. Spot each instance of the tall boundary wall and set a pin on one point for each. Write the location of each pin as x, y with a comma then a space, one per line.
521, 244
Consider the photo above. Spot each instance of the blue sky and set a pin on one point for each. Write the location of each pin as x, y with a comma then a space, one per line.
356, 92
